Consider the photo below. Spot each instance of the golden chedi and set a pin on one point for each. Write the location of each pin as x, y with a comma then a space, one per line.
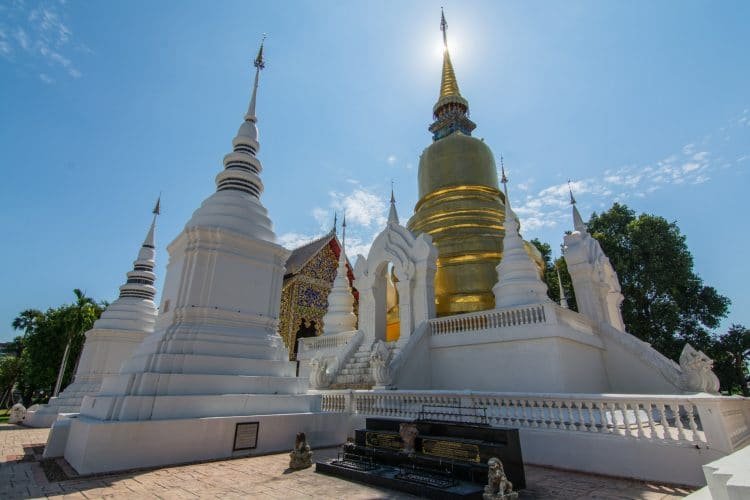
460, 204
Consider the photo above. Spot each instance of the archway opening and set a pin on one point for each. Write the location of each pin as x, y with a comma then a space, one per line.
306, 329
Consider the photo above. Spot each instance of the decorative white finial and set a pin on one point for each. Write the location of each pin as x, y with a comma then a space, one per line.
518, 281
340, 315
140, 281
577, 219
392, 214
343, 232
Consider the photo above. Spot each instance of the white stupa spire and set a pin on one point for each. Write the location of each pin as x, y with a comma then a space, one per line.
241, 167
236, 205
392, 213
121, 328
578, 223
340, 315
518, 279
140, 281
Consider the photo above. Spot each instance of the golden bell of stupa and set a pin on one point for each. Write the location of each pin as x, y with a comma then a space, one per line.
460, 204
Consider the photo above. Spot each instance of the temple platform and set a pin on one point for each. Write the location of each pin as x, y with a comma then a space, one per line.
95, 446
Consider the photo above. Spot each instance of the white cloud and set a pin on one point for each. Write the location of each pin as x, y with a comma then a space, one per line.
361, 207
391, 160
293, 240
40, 36
321, 216
45, 78
549, 207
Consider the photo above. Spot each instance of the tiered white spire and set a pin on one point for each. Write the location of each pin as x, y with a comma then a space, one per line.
140, 282
518, 279
340, 315
121, 328
236, 205
241, 167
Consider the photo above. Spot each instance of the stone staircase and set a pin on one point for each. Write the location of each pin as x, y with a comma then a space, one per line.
356, 372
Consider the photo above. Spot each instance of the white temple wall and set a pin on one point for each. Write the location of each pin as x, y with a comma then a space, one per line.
634, 367
632, 458
540, 364
95, 446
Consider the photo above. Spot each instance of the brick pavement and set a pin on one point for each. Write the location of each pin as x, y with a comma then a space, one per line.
264, 477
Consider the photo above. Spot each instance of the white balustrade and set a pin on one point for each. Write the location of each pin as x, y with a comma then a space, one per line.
484, 320
325, 342
646, 417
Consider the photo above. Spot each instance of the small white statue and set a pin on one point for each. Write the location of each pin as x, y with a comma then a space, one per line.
379, 369
17, 414
697, 374
408, 433
498, 486
319, 376
301, 456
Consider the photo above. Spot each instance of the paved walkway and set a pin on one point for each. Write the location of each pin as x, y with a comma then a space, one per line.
22, 476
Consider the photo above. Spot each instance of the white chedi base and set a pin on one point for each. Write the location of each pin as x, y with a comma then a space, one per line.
215, 352
94, 446
121, 328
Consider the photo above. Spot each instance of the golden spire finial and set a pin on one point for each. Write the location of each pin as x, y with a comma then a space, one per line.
449, 84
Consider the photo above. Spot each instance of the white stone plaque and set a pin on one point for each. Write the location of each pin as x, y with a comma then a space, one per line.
246, 436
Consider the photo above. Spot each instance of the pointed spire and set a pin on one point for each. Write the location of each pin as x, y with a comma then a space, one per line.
451, 110
578, 223
335, 222
140, 281
241, 167
392, 214
563, 300
504, 180
448, 83
259, 64
518, 281
343, 233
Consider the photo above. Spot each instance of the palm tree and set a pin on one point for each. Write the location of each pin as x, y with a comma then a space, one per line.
26, 321
79, 316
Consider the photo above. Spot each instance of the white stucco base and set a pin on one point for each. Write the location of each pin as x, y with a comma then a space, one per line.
39, 419
632, 458
97, 446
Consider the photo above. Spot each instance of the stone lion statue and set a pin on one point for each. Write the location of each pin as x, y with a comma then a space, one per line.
379, 368
319, 376
498, 486
408, 433
301, 456
697, 374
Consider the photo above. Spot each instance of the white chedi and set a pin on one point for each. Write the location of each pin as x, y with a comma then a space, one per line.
115, 335
518, 279
340, 315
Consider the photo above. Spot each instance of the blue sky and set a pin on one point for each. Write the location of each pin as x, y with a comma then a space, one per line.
106, 104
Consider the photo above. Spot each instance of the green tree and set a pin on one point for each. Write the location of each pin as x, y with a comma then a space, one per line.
53, 333
10, 370
550, 275
78, 318
26, 320
731, 354
666, 302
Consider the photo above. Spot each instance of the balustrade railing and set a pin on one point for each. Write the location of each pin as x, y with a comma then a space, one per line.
321, 342
489, 319
655, 418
